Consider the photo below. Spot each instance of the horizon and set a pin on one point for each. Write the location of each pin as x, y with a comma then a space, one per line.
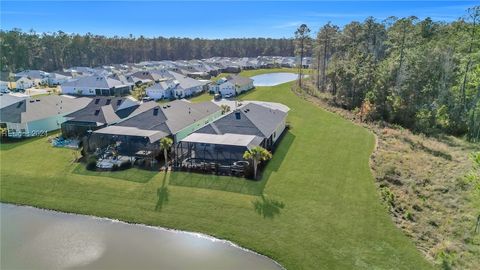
266, 19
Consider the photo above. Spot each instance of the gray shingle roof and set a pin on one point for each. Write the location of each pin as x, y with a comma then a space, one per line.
39, 108
169, 117
104, 110
101, 82
251, 119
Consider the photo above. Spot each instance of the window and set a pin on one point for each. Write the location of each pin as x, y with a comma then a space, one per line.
97, 112
119, 102
97, 101
108, 102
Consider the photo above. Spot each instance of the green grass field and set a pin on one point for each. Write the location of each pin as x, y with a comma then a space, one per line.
316, 206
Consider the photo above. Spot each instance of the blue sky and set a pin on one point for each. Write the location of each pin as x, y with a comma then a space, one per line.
218, 19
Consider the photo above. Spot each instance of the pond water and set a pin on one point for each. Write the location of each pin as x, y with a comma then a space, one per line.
40, 239
272, 79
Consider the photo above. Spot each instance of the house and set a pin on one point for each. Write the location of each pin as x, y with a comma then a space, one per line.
4, 87
260, 119
152, 121
28, 117
38, 77
100, 112
24, 83
95, 86
58, 78
175, 85
222, 143
232, 85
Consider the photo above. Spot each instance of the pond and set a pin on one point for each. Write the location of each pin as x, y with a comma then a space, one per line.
40, 239
272, 79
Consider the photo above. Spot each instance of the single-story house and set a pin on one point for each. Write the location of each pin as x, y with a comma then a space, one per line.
95, 85
37, 76
153, 121
232, 85
57, 79
175, 85
27, 117
222, 143
100, 112
24, 83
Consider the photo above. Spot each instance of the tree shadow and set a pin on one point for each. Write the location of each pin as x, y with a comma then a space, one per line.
268, 208
162, 194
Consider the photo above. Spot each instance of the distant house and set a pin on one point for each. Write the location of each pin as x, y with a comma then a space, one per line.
232, 85
24, 83
175, 85
38, 77
57, 79
95, 86
27, 117
100, 112
4, 87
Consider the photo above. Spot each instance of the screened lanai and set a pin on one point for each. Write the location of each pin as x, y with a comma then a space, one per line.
214, 152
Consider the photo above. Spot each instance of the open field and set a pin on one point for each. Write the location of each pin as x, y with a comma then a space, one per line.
316, 206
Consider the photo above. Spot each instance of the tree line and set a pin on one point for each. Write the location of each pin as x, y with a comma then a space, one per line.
54, 51
420, 74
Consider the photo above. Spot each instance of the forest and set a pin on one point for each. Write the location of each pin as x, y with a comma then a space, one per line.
54, 51
419, 74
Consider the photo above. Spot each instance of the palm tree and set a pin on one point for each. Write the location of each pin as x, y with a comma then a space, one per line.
257, 154
165, 144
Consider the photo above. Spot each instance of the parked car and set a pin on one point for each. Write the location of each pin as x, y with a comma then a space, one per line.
228, 95
217, 97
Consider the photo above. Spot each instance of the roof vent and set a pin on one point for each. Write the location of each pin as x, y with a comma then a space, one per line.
119, 102
31, 101
237, 115
108, 102
97, 100
155, 111
97, 112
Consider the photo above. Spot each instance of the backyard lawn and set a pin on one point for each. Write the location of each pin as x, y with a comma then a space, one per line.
316, 206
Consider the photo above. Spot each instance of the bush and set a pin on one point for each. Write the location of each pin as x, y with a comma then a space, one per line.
91, 163
125, 166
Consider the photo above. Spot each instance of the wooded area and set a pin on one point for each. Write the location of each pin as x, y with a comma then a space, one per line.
30, 50
420, 74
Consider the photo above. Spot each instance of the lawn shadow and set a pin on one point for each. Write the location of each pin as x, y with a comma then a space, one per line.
12, 143
162, 194
279, 155
216, 182
268, 208
132, 174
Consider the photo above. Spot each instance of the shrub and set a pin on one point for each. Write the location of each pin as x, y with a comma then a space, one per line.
91, 163
126, 165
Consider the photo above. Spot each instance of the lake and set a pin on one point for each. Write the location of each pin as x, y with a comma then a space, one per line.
32, 238
272, 79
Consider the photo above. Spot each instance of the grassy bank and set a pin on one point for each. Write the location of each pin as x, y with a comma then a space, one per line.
316, 206
421, 181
